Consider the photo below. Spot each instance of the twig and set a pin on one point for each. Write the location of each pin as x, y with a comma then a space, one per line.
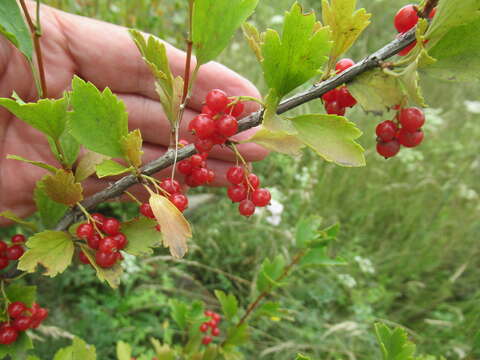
36, 32
370, 62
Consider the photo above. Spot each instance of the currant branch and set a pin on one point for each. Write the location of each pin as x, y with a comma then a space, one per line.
119, 187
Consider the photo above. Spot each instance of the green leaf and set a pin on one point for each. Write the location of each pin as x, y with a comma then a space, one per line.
47, 115
376, 91
111, 168
22, 293
62, 188
169, 88
345, 22
269, 309
40, 164
332, 137
142, 236
307, 230
298, 55
215, 23
302, 357
70, 147
179, 311
14, 28
269, 273
18, 348
457, 54
52, 249
394, 343
132, 146
79, 350
450, 14
13, 217
319, 257
50, 211
237, 335
101, 114
111, 275
163, 351
124, 351
87, 165
229, 304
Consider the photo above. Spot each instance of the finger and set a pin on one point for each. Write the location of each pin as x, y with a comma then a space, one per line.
148, 116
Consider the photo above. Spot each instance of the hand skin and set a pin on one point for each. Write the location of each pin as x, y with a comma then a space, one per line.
105, 55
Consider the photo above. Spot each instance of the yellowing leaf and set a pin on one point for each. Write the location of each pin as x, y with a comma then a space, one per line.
52, 249
132, 145
254, 40
346, 24
87, 165
111, 275
142, 236
332, 137
62, 188
175, 228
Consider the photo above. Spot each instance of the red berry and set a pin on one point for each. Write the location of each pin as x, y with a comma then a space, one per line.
246, 208
208, 313
108, 244
410, 139
237, 193
343, 65
235, 175
22, 323
119, 256
252, 180
204, 145
121, 241
158, 228
432, 13
196, 160
184, 167
204, 327
14, 252
180, 201
217, 100
237, 109
203, 126
3, 246
111, 226
41, 314
15, 309
83, 258
211, 176
171, 186
105, 259
345, 99
406, 18
407, 50
99, 219
330, 96
206, 340
218, 139
227, 126
411, 119
18, 239
93, 241
84, 231
190, 181
200, 175
146, 210
212, 323
388, 149
386, 130
207, 111
3, 262
8, 335
334, 108
261, 197
215, 331
217, 317
34, 309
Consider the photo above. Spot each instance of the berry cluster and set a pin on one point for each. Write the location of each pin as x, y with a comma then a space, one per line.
22, 318
405, 19
195, 169
211, 324
336, 101
105, 238
406, 131
12, 252
245, 189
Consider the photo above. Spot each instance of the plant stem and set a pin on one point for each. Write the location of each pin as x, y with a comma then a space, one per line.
170, 157
35, 30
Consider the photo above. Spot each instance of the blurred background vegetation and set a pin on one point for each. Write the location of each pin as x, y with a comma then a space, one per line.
410, 227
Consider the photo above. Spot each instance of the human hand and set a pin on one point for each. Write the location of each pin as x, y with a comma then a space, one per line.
105, 55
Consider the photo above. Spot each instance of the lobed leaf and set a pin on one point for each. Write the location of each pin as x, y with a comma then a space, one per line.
23, 293
87, 165
132, 146
50, 211
269, 273
229, 304
142, 236
63, 188
52, 249
14, 28
79, 350
111, 275
124, 351
394, 343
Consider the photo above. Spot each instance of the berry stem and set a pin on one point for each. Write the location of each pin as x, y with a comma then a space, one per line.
131, 196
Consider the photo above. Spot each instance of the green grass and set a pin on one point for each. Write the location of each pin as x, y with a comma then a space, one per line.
413, 218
